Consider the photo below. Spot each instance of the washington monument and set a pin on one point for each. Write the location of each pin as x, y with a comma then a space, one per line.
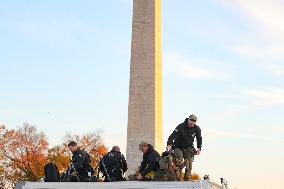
145, 89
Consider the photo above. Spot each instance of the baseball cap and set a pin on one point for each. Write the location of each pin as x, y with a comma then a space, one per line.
193, 118
143, 143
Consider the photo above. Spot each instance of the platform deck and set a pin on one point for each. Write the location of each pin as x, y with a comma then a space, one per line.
120, 185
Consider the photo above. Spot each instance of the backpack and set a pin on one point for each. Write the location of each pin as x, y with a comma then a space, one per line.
112, 160
51, 173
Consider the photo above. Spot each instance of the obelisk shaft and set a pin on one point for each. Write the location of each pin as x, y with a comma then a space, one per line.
145, 90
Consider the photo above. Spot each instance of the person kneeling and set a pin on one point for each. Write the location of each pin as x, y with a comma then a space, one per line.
150, 163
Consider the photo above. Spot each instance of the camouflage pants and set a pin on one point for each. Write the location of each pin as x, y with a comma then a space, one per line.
165, 175
188, 156
160, 175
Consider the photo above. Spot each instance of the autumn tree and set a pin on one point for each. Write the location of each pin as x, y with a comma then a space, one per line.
91, 143
194, 176
3, 182
22, 153
60, 156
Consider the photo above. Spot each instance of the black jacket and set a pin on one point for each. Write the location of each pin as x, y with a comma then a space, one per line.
150, 161
82, 162
114, 160
183, 136
51, 173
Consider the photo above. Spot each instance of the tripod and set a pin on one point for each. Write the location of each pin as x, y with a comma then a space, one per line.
105, 170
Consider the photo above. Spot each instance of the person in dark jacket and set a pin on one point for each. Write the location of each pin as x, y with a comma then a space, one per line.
113, 165
182, 143
150, 161
51, 173
81, 162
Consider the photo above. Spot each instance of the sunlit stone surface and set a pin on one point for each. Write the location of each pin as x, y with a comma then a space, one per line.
145, 89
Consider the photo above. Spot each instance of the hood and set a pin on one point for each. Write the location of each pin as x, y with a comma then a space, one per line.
186, 121
150, 148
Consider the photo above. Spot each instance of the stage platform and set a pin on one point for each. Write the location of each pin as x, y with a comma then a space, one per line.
204, 184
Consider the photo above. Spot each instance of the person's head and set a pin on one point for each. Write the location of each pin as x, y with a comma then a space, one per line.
116, 149
143, 147
72, 146
192, 120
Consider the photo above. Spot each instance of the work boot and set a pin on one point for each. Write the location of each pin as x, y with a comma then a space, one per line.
186, 175
187, 171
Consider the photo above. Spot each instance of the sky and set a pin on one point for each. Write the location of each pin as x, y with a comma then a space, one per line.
64, 67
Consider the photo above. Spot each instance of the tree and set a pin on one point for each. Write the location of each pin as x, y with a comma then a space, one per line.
91, 142
194, 176
60, 156
23, 153
2, 177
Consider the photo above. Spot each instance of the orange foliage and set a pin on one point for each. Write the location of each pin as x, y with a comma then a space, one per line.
60, 156
91, 143
22, 153
2, 177
194, 176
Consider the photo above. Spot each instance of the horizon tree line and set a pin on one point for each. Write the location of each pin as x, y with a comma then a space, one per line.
25, 150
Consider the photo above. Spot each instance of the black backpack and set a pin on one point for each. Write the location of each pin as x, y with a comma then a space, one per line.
51, 173
113, 160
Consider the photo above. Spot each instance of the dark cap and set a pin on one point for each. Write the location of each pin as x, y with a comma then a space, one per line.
72, 143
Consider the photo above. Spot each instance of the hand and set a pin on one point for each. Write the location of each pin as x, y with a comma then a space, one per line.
198, 151
139, 177
169, 147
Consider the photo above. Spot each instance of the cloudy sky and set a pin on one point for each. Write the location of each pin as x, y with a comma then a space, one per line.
65, 68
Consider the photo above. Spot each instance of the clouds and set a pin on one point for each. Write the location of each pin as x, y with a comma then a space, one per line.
271, 52
255, 97
191, 68
267, 13
266, 45
209, 133
270, 59
266, 96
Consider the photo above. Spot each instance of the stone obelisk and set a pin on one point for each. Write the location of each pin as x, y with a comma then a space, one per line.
145, 90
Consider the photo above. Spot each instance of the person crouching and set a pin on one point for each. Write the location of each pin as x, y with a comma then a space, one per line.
150, 163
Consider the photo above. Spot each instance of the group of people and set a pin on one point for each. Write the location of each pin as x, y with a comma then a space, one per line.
165, 167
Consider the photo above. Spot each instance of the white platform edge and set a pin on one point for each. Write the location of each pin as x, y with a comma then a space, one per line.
120, 185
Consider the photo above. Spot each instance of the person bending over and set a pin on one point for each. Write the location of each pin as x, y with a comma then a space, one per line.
182, 143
